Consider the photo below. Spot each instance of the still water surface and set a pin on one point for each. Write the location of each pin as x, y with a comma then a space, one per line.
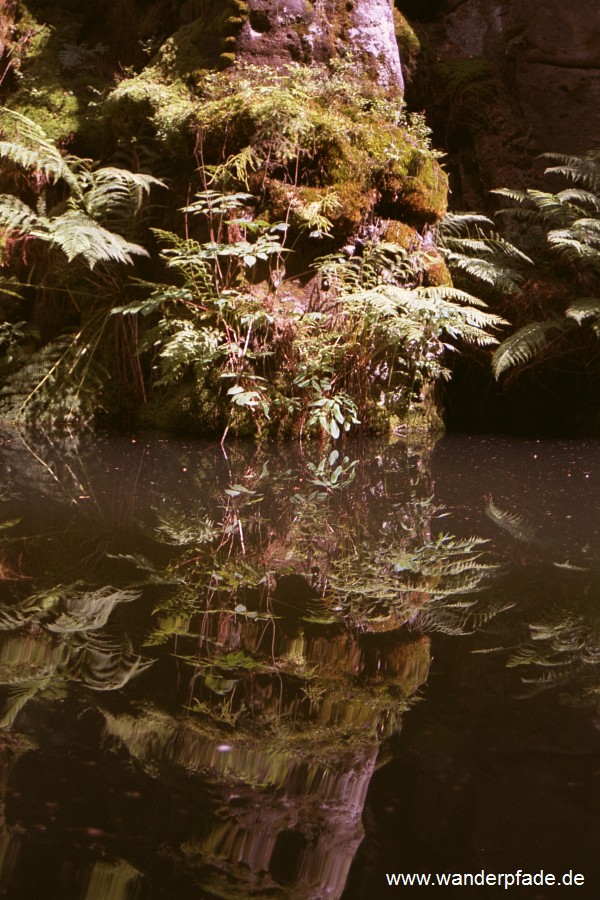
282, 674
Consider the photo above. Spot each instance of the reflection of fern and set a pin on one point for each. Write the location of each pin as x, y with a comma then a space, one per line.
514, 524
382, 581
71, 644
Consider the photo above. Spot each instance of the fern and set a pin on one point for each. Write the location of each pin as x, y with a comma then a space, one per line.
15, 215
562, 233
32, 150
583, 309
77, 235
101, 206
472, 249
581, 170
114, 197
525, 344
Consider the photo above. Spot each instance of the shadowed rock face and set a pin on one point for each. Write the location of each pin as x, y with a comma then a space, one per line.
305, 31
550, 53
557, 73
543, 79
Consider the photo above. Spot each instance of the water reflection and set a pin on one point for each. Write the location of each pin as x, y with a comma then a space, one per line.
202, 657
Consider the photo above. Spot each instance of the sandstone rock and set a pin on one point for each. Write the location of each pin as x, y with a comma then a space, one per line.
282, 31
541, 66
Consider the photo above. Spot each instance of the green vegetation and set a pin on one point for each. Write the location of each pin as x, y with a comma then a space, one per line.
542, 272
228, 341
301, 277
562, 233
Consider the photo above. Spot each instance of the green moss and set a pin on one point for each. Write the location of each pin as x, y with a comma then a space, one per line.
459, 74
408, 42
59, 97
232, 25
345, 205
437, 273
419, 418
323, 132
228, 43
464, 91
147, 100
226, 60
402, 234
189, 409
417, 195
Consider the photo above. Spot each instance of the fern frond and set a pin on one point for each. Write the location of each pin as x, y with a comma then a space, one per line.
580, 197
16, 215
574, 251
78, 235
455, 224
591, 227
584, 308
451, 295
114, 196
583, 170
512, 194
503, 279
524, 344
32, 149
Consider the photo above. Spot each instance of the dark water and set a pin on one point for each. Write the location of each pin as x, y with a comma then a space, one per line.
276, 674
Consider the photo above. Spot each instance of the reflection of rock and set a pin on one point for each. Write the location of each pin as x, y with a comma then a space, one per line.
292, 788
274, 800
12, 746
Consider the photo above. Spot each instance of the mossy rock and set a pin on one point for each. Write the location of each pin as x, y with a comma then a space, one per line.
402, 234
420, 418
464, 91
186, 409
200, 44
147, 102
419, 196
346, 206
408, 43
321, 133
436, 273
459, 74
55, 90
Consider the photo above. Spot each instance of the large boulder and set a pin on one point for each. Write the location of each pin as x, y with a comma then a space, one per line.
306, 31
